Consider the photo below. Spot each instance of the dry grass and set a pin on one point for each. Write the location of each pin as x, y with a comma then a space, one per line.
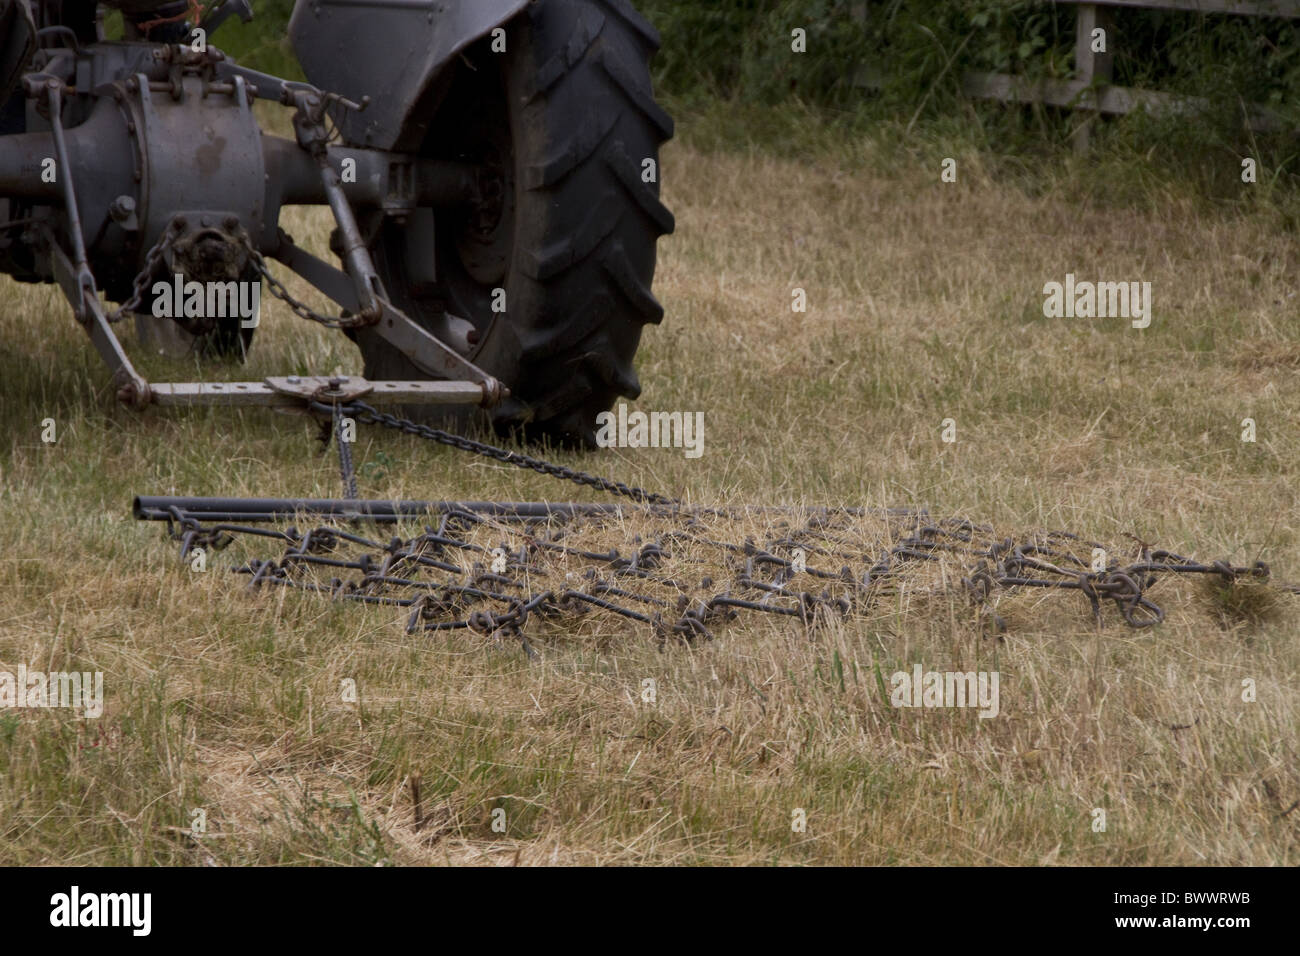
924, 304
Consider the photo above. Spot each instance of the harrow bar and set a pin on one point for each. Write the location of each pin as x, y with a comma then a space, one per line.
261, 510
258, 510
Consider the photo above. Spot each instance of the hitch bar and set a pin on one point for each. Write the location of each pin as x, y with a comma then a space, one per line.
300, 391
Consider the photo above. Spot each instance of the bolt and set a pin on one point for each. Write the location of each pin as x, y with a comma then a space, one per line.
122, 208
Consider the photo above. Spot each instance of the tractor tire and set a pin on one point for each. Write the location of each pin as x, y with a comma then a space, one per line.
566, 126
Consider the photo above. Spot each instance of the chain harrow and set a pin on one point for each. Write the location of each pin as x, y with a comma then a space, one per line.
677, 576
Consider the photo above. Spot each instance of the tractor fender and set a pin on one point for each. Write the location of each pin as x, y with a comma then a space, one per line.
392, 51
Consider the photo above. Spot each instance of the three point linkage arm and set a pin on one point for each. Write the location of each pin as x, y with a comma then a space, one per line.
305, 171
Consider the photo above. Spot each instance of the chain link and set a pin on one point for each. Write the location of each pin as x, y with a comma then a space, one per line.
152, 260
297, 306
346, 470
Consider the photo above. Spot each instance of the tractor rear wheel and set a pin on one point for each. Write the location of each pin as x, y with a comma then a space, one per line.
552, 264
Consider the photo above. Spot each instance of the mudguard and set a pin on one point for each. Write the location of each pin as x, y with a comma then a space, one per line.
17, 39
390, 50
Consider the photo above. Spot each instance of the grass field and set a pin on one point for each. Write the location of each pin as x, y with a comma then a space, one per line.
924, 304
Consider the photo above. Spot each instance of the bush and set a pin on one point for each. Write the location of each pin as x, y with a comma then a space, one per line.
264, 43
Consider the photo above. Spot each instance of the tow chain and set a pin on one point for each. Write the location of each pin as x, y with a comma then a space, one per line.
368, 415
346, 470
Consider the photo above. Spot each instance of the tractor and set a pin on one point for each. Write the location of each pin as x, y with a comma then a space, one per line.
490, 167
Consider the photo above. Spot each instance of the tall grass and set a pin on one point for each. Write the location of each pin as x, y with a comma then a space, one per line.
924, 304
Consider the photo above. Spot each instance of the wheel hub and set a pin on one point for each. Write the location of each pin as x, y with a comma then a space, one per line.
484, 242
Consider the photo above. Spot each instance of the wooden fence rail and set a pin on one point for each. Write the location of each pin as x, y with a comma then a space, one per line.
1090, 89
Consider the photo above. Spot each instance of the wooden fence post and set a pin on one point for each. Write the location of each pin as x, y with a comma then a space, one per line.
1092, 66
